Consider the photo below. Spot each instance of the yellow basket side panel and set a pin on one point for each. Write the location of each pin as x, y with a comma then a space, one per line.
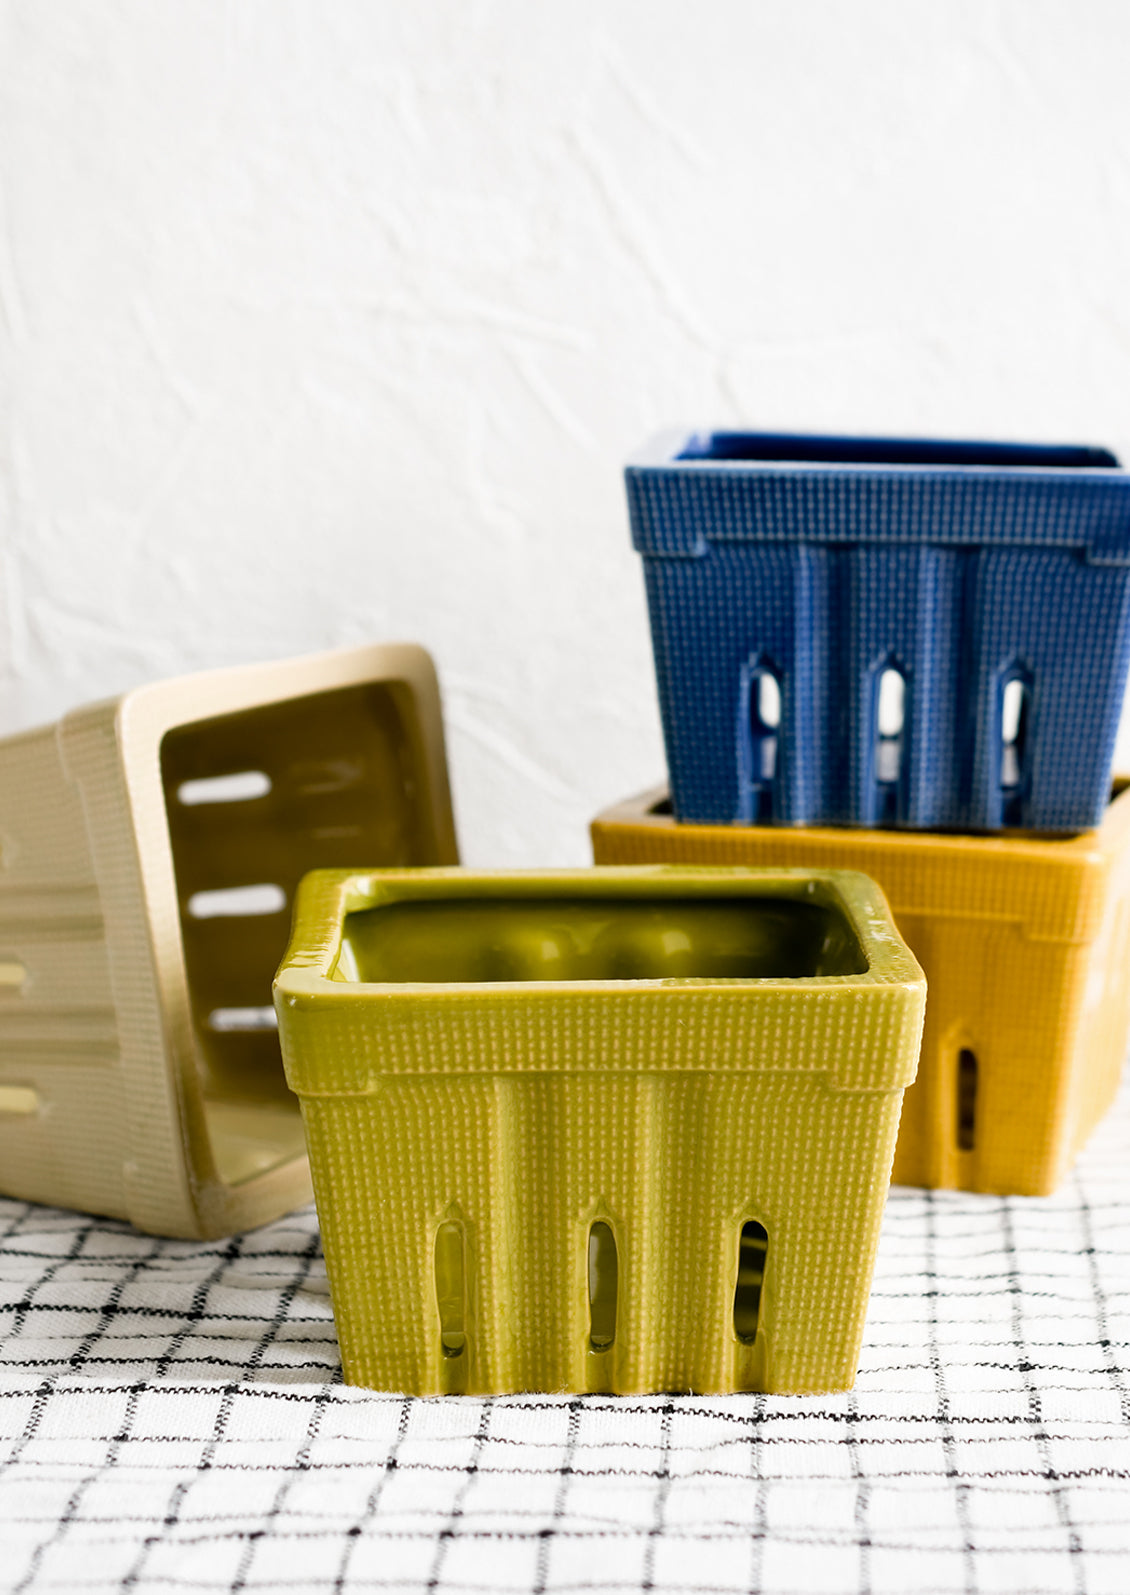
53, 970
673, 1164
571, 1150
62, 1103
1013, 1006
1055, 888
387, 1169
1026, 949
1105, 1019
64, 1144
43, 840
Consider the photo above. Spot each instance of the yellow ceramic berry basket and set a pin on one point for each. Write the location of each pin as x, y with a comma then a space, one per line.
620, 1129
1025, 941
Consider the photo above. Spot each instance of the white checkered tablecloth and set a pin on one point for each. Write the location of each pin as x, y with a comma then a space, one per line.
173, 1421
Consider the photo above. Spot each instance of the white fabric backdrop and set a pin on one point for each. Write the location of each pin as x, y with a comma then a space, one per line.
326, 323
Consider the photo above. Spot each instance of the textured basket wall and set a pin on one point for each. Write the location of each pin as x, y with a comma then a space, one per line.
825, 563
1026, 946
140, 1073
673, 1111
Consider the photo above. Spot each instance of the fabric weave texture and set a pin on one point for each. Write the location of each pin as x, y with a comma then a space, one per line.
172, 1419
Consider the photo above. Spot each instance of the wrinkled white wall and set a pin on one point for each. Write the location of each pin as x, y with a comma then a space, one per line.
333, 320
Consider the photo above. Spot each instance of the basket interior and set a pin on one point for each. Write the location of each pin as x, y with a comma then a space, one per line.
254, 800
786, 450
598, 938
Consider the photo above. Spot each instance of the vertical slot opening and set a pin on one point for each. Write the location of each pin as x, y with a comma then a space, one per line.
1015, 724
966, 1099
237, 902
890, 738
242, 786
18, 1099
760, 739
451, 1292
253, 800
603, 1271
753, 1248
13, 976
229, 1019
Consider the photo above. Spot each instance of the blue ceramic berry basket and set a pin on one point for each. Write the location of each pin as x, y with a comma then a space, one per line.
863, 631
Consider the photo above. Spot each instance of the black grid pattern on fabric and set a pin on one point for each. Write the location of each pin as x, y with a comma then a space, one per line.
172, 1419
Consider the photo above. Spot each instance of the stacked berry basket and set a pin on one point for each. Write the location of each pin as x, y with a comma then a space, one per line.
909, 658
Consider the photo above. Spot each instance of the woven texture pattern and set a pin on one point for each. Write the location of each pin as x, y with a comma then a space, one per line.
674, 1112
59, 1029
672, 1164
140, 1073
172, 1419
1025, 944
825, 577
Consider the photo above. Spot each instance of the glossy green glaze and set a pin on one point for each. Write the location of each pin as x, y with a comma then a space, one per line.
606, 1130
546, 938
